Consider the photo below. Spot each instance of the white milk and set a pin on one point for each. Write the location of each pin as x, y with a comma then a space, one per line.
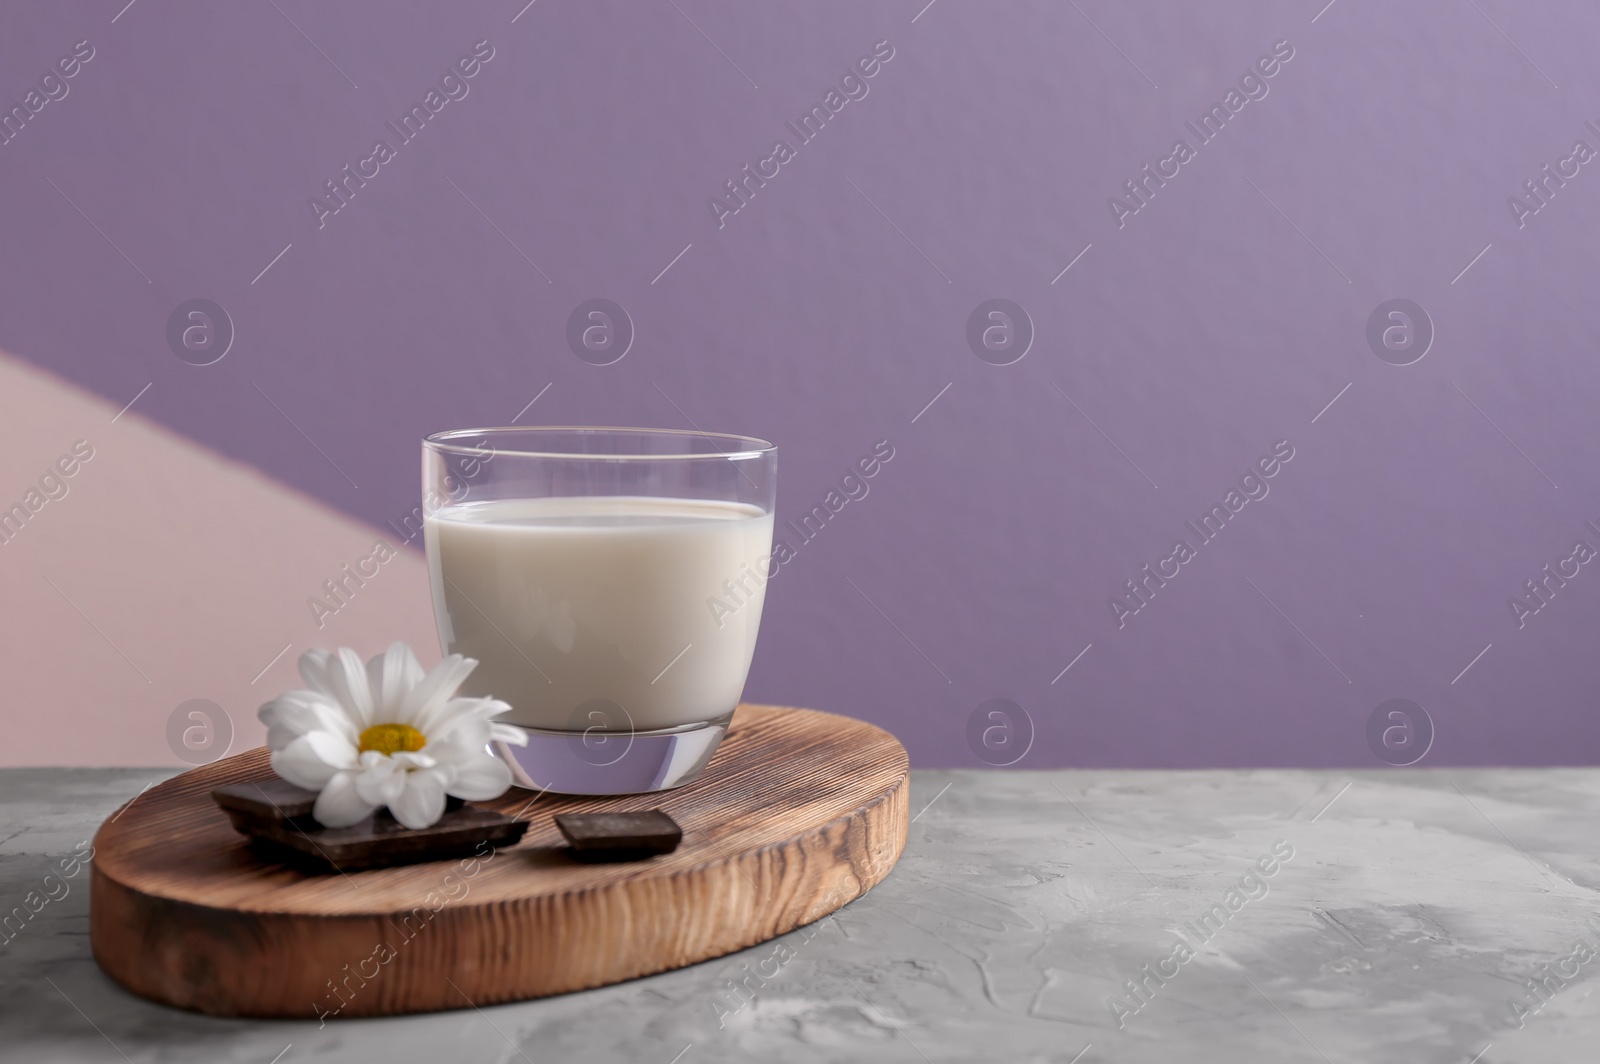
564, 601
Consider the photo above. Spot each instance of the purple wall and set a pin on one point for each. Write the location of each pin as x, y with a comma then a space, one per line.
1191, 336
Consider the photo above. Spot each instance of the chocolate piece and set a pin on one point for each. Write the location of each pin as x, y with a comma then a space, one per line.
620, 836
276, 816
275, 800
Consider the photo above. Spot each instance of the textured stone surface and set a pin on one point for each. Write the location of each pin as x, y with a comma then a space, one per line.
1403, 929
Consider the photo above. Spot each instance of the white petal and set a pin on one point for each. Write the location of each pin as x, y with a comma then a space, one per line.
340, 805
470, 713
408, 759
347, 679
422, 801
435, 690
377, 687
466, 730
390, 675
313, 758
381, 783
483, 708
301, 769
314, 669
456, 749
508, 733
294, 713
333, 749
481, 778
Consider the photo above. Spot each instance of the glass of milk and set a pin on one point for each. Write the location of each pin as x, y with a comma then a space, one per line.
609, 581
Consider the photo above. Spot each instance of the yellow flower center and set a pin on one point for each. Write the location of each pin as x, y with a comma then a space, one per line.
392, 738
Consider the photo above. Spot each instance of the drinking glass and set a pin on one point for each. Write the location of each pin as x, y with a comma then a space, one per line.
609, 581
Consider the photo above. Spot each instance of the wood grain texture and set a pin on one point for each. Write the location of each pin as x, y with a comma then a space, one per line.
798, 813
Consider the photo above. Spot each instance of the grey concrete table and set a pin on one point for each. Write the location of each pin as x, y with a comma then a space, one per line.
1408, 916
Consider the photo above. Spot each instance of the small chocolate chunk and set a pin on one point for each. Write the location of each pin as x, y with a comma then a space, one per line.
276, 801
620, 836
269, 800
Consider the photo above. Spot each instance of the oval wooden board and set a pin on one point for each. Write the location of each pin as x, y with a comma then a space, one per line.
798, 813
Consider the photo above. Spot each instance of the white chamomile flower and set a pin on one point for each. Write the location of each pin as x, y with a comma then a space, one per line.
386, 734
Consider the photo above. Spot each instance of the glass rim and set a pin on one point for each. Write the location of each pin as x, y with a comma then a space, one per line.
747, 446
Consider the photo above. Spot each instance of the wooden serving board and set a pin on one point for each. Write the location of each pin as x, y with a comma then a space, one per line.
798, 813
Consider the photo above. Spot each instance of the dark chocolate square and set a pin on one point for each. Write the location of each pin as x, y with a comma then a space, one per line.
631, 836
